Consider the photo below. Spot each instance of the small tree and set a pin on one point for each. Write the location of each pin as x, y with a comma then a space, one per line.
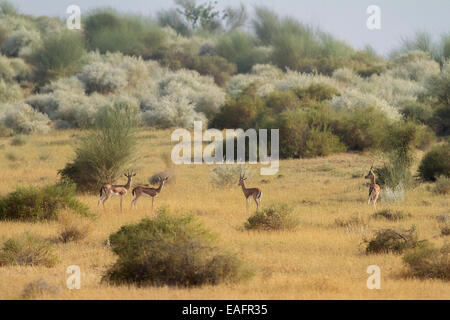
106, 151
203, 15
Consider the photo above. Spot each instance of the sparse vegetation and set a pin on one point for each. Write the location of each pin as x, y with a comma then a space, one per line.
435, 163
427, 261
39, 288
273, 218
27, 250
445, 229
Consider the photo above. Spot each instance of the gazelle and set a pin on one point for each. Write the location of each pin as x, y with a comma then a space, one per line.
147, 192
374, 190
256, 193
108, 190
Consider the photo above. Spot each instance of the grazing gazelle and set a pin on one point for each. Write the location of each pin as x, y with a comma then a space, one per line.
256, 193
147, 192
108, 190
374, 190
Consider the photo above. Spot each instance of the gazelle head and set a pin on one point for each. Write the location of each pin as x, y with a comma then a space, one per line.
163, 180
242, 178
129, 175
370, 175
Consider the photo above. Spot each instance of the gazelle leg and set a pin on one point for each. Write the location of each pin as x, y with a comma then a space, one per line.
153, 199
120, 204
375, 201
257, 203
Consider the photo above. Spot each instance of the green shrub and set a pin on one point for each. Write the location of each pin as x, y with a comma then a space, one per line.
170, 250
393, 176
427, 261
105, 152
18, 141
440, 120
354, 221
23, 119
390, 240
40, 204
435, 163
275, 217
317, 92
27, 250
322, 142
416, 111
247, 106
279, 101
226, 176
391, 215
360, 129
442, 186
399, 142
61, 55
240, 48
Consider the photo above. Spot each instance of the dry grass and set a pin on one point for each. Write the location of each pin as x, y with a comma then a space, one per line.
318, 260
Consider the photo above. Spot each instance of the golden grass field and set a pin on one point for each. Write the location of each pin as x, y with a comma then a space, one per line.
319, 260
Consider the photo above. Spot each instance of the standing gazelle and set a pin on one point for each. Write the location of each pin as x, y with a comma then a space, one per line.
147, 192
256, 193
108, 190
374, 190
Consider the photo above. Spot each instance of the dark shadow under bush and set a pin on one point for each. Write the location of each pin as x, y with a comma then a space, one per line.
171, 250
27, 250
435, 163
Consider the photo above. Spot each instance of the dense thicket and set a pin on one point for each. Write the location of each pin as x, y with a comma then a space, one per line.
229, 68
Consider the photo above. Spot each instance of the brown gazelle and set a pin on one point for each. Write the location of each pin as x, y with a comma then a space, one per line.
108, 190
147, 192
256, 193
374, 190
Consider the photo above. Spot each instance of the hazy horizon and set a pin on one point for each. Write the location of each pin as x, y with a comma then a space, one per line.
345, 19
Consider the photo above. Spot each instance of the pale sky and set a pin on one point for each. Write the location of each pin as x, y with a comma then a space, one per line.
345, 19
